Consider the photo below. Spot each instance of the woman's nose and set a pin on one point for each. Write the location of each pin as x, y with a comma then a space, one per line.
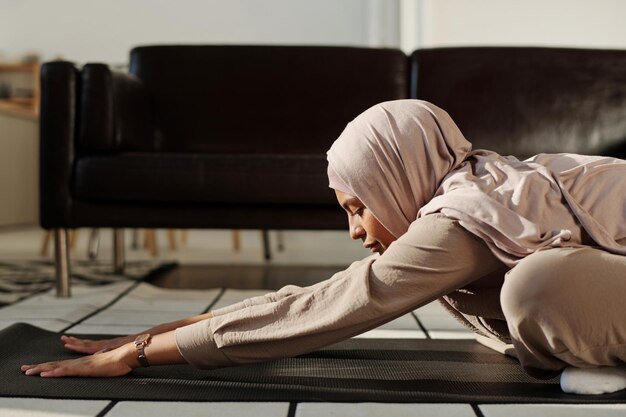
356, 230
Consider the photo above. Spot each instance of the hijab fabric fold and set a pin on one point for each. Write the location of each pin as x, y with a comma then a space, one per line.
405, 159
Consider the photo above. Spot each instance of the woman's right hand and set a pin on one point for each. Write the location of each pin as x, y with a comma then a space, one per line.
88, 346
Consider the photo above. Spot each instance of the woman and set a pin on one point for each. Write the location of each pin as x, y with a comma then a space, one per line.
530, 255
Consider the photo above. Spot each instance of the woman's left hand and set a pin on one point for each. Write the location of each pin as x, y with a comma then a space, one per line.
116, 362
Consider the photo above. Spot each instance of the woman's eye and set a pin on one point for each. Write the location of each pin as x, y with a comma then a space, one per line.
359, 212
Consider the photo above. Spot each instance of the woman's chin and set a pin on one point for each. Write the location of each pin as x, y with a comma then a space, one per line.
377, 249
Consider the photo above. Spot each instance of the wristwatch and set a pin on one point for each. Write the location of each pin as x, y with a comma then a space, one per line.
141, 342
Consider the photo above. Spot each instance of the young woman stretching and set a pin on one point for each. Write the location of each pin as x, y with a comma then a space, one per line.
529, 254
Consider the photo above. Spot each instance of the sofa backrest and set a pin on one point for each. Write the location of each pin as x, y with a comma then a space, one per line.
525, 101
263, 99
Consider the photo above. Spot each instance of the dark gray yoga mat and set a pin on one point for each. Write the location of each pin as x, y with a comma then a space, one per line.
377, 370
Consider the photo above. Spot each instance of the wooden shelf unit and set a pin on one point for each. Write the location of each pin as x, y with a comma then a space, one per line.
27, 107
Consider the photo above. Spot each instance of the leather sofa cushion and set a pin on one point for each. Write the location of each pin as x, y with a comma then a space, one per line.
202, 178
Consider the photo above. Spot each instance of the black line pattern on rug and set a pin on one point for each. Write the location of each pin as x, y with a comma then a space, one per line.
20, 280
292, 409
477, 410
215, 300
106, 409
106, 306
419, 323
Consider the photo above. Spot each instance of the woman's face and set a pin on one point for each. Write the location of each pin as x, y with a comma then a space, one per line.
363, 225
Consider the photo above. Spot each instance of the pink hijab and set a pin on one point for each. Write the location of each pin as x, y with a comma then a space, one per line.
405, 159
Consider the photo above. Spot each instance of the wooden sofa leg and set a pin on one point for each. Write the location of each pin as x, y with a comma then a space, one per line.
267, 250
135, 241
236, 235
93, 244
118, 251
45, 243
281, 240
62, 262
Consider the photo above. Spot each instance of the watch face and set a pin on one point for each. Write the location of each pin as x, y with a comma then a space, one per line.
141, 339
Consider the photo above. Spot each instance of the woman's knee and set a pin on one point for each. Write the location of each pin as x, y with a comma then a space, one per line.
561, 280
532, 287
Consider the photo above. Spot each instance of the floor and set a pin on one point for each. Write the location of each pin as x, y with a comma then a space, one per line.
208, 264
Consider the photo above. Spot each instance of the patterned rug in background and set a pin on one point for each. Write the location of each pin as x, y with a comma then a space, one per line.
25, 278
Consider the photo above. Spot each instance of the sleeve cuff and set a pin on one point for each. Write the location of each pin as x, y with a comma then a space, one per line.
196, 344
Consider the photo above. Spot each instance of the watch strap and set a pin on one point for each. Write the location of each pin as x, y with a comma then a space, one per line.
141, 342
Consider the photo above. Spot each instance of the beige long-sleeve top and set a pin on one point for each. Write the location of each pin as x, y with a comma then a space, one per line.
435, 257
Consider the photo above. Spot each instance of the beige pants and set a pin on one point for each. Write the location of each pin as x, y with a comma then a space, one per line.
557, 307
567, 307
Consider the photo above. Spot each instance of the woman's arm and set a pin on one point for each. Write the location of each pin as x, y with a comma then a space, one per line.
435, 256
88, 346
162, 350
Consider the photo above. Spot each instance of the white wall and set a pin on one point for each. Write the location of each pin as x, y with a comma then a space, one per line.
563, 23
89, 30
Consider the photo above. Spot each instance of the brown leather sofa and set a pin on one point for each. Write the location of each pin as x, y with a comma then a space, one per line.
235, 136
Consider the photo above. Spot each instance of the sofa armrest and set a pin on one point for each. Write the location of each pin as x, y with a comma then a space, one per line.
114, 111
59, 85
